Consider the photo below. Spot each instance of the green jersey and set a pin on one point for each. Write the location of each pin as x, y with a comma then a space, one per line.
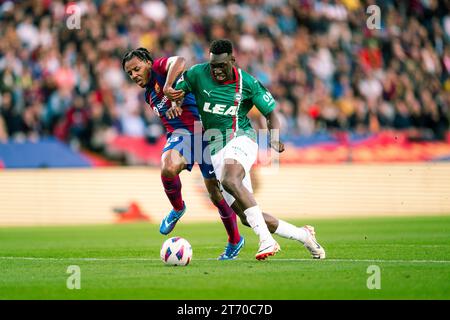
223, 108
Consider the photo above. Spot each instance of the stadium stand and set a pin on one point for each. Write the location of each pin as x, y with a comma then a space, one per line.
329, 72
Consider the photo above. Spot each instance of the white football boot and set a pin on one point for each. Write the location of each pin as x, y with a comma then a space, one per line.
312, 245
267, 248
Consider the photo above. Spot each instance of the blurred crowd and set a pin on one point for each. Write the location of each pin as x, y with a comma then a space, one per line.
326, 65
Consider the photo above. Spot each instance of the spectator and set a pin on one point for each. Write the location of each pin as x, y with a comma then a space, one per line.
402, 119
10, 116
3, 131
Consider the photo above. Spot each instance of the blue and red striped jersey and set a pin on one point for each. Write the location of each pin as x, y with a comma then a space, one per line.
155, 97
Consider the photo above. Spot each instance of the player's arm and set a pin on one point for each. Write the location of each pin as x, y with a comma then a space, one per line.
184, 85
265, 103
273, 124
174, 67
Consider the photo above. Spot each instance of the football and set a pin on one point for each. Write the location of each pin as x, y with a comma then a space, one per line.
176, 251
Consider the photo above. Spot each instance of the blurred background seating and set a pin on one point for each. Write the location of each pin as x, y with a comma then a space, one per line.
343, 90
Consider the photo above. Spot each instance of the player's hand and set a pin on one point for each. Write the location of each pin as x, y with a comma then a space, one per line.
277, 146
173, 94
175, 110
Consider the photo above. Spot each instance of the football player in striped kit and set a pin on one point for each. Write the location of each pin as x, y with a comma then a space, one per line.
181, 151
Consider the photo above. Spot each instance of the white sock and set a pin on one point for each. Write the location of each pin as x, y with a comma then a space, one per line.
289, 231
256, 220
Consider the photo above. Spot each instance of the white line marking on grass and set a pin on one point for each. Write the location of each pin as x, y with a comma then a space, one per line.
369, 260
213, 259
397, 245
79, 259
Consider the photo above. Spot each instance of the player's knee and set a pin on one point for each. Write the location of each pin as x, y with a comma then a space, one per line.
232, 185
170, 170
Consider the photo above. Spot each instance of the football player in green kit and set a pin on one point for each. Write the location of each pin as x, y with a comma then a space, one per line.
224, 95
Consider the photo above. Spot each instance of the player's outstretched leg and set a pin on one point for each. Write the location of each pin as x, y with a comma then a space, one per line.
305, 235
235, 240
172, 164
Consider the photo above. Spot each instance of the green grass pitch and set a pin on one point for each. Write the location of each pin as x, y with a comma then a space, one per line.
122, 262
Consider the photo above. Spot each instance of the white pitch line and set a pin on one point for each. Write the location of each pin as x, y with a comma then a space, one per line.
79, 259
371, 260
212, 259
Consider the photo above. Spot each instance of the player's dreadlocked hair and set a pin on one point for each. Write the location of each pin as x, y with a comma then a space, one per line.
221, 46
140, 53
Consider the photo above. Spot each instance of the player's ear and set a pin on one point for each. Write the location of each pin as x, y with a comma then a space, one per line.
233, 59
148, 65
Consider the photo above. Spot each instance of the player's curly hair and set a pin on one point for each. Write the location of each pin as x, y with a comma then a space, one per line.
221, 46
140, 53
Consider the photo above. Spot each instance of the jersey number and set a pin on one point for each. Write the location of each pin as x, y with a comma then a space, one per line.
267, 97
